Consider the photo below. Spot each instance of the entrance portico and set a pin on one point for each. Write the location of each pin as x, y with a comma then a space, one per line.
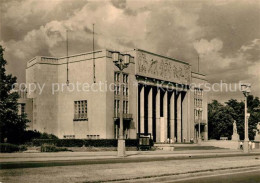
163, 112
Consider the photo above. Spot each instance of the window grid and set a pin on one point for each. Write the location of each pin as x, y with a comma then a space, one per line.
80, 110
198, 93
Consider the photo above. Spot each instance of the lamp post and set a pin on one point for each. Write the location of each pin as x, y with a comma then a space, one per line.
121, 61
246, 90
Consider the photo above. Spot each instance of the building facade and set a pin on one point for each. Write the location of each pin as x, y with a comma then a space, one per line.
80, 97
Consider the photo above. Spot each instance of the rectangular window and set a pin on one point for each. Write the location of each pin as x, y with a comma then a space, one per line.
116, 76
126, 107
115, 108
118, 90
22, 109
124, 90
125, 78
80, 110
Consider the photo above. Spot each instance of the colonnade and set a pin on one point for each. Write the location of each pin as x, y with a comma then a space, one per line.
164, 113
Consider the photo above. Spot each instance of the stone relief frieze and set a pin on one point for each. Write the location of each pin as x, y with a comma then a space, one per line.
162, 68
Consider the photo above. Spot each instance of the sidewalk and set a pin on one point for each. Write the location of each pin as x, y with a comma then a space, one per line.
130, 155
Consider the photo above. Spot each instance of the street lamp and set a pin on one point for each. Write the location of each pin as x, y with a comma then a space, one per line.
245, 88
121, 61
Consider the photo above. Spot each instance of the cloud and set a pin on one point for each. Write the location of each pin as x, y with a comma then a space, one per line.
121, 4
232, 68
205, 47
20, 17
225, 34
234, 22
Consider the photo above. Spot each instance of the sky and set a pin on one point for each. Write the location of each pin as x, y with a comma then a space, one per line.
225, 34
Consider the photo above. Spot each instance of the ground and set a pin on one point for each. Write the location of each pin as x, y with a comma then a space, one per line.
132, 171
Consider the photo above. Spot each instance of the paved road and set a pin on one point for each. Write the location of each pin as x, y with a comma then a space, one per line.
158, 171
240, 175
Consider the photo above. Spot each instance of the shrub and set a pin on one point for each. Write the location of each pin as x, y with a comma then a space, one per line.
22, 148
83, 142
30, 135
8, 148
51, 148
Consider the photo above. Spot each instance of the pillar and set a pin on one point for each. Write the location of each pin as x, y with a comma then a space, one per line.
165, 115
157, 117
178, 100
172, 115
184, 117
192, 115
150, 111
188, 95
142, 110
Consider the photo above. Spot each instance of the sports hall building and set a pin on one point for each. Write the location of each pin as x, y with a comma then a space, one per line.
80, 99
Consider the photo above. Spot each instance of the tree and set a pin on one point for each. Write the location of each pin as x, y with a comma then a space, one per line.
12, 125
220, 120
221, 117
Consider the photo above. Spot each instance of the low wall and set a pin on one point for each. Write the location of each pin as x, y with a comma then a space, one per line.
229, 144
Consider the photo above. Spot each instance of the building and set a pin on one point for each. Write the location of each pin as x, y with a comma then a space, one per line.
159, 97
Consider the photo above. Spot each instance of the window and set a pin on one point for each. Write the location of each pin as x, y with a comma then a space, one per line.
93, 137
117, 90
80, 110
125, 78
124, 90
116, 76
124, 107
115, 109
69, 136
21, 108
117, 106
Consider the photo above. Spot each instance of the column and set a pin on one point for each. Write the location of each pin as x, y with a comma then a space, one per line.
184, 117
165, 115
150, 111
178, 100
172, 115
157, 117
188, 95
192, 115
142, 110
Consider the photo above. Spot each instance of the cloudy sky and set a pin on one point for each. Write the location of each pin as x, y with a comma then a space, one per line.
224, 33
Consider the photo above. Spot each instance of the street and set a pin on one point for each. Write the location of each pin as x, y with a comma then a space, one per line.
133, 171
240, 175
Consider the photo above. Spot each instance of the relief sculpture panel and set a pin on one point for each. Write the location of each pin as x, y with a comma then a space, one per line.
157, 67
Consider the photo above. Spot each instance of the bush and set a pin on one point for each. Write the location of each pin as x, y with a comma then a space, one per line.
83, 142
30, 135
52, 148
22, 148
8, 148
